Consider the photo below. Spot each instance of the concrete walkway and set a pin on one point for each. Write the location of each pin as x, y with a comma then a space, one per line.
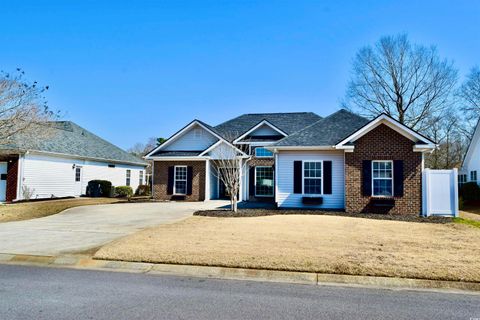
80, 229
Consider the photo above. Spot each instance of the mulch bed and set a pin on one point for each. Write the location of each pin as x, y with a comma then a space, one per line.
271, 212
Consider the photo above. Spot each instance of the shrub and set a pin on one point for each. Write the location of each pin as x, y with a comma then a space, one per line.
143, 190
99, 188
470, 191
123, 191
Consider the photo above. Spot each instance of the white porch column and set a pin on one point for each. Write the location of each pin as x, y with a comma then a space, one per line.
240, 188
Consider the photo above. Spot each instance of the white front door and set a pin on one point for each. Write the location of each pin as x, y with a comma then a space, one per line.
3, 181
78, 181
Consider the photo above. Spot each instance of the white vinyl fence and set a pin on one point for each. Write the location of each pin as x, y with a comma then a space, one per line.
440, 192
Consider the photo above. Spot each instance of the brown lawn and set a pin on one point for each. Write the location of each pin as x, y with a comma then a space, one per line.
325, 244
38, 209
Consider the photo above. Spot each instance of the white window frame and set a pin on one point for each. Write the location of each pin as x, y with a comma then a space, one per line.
175, 181
255, 182
473, 172
303, 177
257, 156
128, 177
391, 179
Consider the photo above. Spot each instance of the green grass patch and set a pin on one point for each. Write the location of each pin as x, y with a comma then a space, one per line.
469, 222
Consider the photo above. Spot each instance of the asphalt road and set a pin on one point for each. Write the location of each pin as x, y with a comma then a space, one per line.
47, 293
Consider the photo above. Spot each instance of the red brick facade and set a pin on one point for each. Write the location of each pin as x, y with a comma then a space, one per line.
384, 143
160, 180
12, 179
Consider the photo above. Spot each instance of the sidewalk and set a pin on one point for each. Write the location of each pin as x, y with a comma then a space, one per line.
87, 263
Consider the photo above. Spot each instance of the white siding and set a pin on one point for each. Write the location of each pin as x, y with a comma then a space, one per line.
223, 151
284, 165
188, 141
54, 176
264, 130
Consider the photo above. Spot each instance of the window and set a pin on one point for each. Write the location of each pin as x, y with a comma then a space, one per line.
473, 175
78, 174
180, 182
312, 177
462, 178
264, 181
140, 178
127, 182
263, 153
382, 178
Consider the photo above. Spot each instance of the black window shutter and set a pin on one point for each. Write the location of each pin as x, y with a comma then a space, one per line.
327, 177
189, 180
367, 178
171, 173
398, 178
297, 176
251, 181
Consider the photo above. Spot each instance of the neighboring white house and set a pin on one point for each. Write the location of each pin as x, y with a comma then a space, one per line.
62, 164
471, 162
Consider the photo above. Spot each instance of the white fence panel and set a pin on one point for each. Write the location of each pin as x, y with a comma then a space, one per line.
440, 192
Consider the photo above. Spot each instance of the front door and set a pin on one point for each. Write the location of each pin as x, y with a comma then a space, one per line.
3, 181
78, 181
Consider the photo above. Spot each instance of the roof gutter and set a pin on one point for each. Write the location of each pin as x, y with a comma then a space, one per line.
85, 158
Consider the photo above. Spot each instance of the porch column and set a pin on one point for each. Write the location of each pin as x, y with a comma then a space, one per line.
208, 196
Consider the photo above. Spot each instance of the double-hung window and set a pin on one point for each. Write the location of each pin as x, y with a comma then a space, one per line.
462, 178
180, 182
140, 178
128, 175
261, 152
382, 178
473, 176
312, 177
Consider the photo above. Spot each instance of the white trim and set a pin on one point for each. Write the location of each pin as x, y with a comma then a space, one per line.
175, 180
219, 142
275, 171
263, 122
303, 178
255, 182
391, 179
179, 133
21, 160
393, 124
187, 158
278, 148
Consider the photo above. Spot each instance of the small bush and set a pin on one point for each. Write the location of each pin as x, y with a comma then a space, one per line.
143, 190
99, 188
123, 191
470, 191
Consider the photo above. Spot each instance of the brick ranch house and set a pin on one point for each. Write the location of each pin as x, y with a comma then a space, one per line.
299, 160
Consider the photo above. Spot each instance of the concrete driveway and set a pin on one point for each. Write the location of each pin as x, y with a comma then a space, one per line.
79, 229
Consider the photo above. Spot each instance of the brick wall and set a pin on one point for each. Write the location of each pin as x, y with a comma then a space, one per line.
12, 178
160, 180
384, 143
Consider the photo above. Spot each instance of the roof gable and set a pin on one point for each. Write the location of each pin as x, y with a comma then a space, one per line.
384, 119
286, 122
263, 129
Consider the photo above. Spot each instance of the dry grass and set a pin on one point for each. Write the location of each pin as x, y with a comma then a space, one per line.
38, 209
325, 244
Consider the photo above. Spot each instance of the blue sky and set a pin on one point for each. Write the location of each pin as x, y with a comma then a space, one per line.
131, 70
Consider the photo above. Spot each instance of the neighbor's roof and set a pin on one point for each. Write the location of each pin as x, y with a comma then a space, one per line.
287, 122
66, 137
327, 131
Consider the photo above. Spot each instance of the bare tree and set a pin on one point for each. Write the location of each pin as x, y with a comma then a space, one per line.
445, 130
23, 109
469, 100
408, 82
141, 149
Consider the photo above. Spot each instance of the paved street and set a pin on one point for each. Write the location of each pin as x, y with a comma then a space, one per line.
86, 227
47, 293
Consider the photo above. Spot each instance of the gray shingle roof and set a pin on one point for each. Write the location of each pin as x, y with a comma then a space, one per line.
287, 122
327, 131
66, 137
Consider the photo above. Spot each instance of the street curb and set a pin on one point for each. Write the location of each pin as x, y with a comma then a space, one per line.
87, 263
